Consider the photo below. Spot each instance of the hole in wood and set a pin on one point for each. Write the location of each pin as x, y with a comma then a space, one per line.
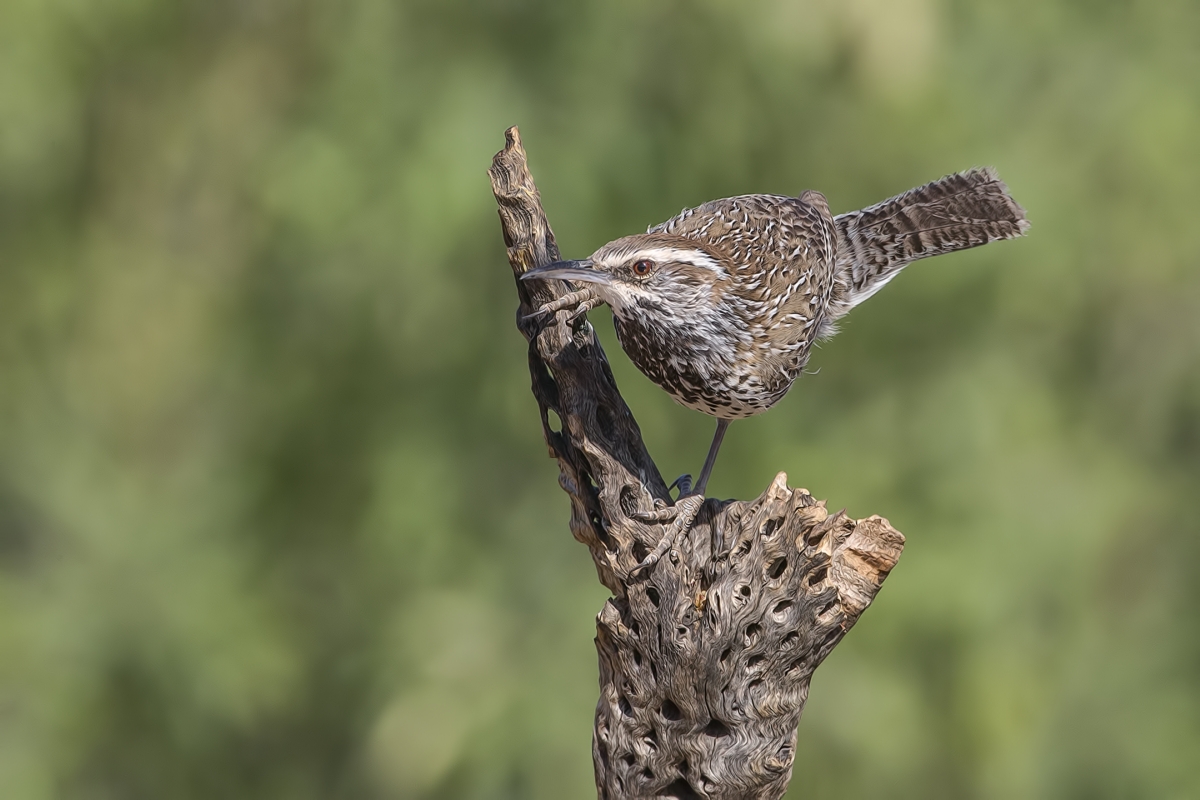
716, 729
754, 684
816, 536
790, 640
639, 552
647, 773
553, 421
753, 630
825, 608
777, 568
753, 661
725, 654
652, 739
770, 526
629, 759
679, 789
781, 607
670, 711
742, 550
637, 657
604, 421
744, 590
623, 704
818, 575
797, 666
653, 596
636, 627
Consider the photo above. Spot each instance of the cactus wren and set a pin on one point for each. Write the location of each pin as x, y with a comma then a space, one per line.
721, 305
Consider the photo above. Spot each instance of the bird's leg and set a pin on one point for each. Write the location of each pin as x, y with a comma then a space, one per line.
718, 437
683, 513
581, 300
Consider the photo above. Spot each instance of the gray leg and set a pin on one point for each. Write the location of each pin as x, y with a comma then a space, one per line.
701, 484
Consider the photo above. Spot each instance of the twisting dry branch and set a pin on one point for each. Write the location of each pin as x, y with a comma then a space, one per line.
706, 658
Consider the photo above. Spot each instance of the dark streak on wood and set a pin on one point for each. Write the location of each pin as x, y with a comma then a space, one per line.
705, 660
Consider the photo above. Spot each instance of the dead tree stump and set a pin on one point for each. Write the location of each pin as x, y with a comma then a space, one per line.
706, 658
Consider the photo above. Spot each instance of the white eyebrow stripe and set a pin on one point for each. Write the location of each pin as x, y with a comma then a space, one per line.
696, 258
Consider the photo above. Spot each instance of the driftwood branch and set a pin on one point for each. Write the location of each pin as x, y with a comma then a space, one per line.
706, 658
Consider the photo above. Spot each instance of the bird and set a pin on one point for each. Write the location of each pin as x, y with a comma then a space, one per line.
721, 305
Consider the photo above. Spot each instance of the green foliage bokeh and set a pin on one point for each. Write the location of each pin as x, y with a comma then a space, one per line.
276, 520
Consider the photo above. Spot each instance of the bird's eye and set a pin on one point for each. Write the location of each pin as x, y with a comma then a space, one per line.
643, 267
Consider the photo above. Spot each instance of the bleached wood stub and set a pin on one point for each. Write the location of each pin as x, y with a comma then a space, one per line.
706, 658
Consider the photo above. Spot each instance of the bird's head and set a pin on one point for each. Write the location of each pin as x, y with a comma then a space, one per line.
648, 272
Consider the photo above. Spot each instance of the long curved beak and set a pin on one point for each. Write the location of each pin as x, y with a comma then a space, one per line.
582, 270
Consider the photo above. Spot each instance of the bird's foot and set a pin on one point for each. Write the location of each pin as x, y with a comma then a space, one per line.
684, 483
680, 516
580, 302
584, 307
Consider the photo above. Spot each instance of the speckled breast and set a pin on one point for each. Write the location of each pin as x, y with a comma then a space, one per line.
710, 377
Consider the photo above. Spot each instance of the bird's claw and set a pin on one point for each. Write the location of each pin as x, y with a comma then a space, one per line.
580, 302
584, 307
659, 514
681, 516
684, 482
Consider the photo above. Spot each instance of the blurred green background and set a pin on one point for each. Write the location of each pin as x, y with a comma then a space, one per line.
276, 519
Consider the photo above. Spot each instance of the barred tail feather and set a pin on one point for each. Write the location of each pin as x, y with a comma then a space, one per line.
956, 212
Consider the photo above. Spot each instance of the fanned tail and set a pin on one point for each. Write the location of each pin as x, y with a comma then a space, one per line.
956, 212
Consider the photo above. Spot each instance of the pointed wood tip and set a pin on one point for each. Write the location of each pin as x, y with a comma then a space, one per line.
509, 171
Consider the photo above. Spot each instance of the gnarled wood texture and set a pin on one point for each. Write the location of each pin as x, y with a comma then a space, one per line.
705, 658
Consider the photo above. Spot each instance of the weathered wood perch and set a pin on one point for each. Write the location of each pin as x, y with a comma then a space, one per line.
705, 659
